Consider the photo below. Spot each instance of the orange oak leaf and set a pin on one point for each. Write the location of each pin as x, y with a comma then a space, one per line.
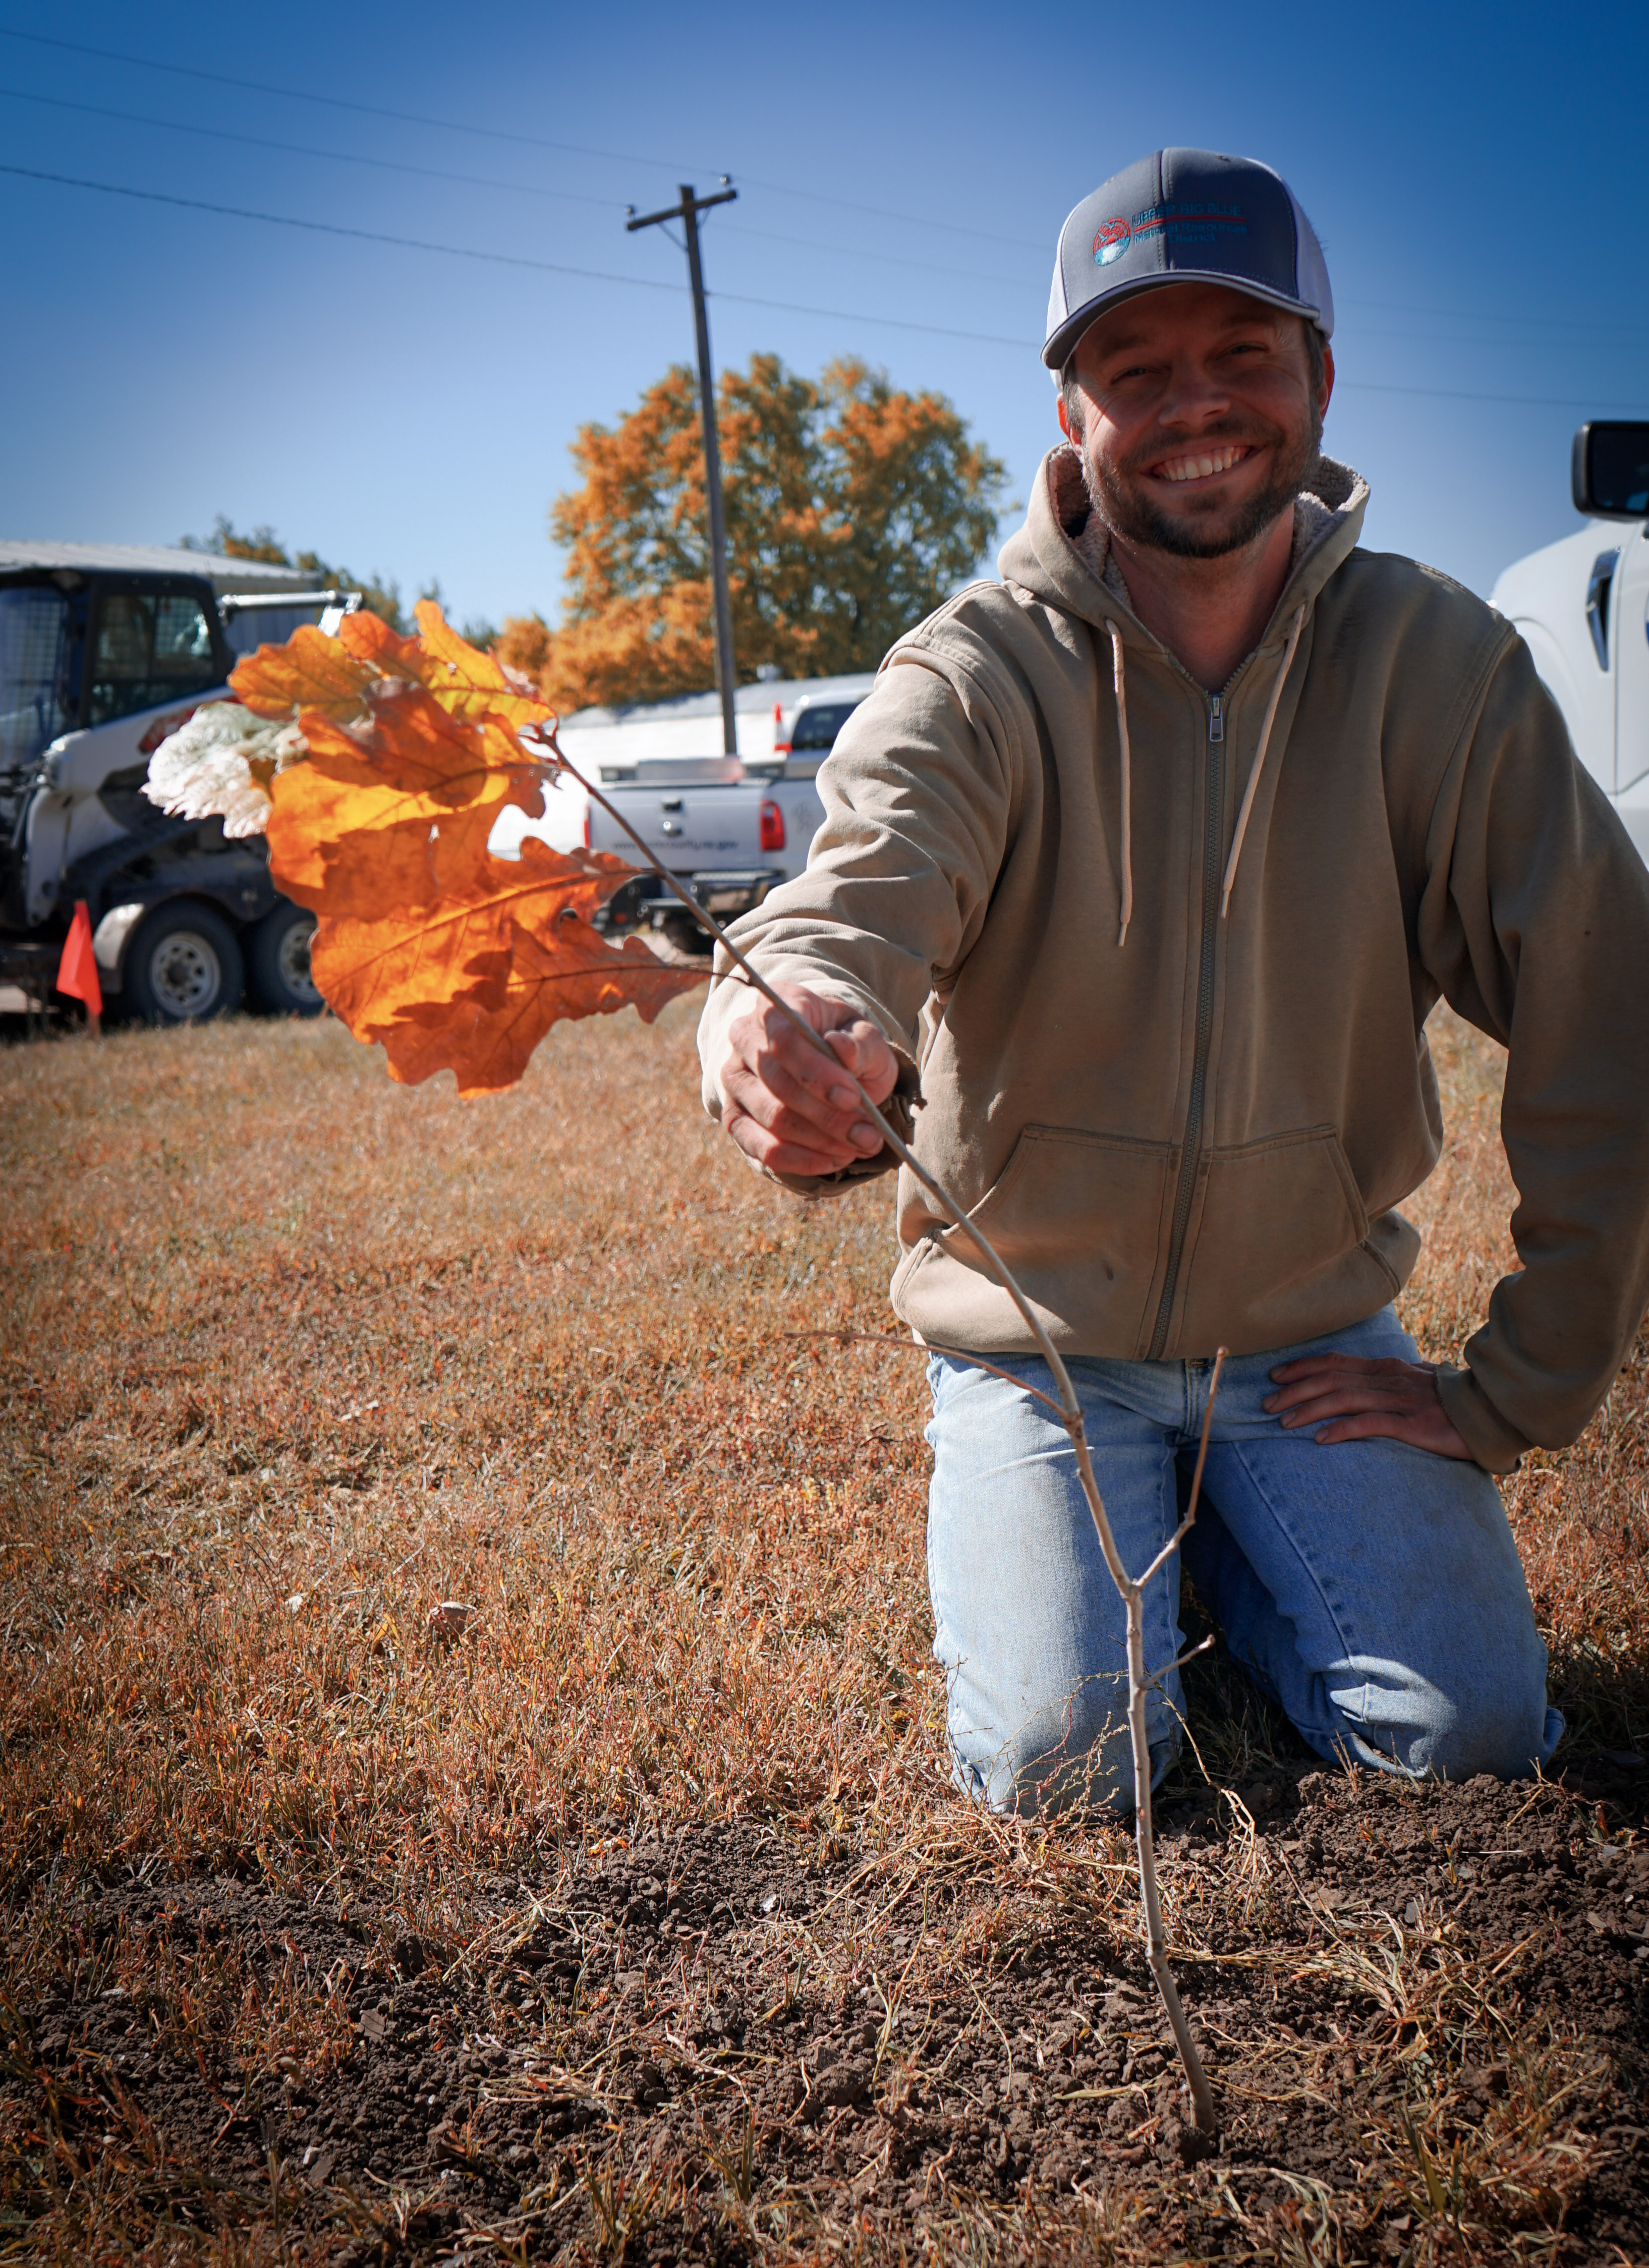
425, 943
403, 816
338, 675
473, 982
311, 670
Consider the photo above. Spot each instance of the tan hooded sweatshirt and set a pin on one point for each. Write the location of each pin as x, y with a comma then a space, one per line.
1157, 964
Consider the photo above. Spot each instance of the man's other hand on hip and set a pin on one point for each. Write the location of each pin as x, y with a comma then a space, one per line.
1351, 1397
788, 1107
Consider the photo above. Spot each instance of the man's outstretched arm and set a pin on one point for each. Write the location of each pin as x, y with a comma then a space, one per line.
898, 881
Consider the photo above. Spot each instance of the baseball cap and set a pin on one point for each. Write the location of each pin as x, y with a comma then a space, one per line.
1185, 217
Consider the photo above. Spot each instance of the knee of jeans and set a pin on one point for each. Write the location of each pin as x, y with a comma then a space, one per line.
1503, 1735
1077, 1758
1500, 1727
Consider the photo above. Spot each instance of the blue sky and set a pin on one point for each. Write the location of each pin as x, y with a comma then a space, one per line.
1476, 175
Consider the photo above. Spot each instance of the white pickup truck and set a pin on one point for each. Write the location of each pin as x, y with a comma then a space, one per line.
1582, 605
729, 828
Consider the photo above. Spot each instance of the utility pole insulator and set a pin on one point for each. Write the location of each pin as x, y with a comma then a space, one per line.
688, 212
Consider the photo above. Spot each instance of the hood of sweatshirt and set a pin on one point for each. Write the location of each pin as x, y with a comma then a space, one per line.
1062, 556
1060, 559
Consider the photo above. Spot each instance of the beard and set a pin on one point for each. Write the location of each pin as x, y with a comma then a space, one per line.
1113, 492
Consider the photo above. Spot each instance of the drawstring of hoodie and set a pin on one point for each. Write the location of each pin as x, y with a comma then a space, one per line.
1120, 685
1294, 629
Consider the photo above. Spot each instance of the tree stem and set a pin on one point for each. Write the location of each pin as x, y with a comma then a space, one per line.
1132, 1593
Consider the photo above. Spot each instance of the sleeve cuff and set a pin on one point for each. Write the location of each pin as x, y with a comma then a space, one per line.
1497, 1445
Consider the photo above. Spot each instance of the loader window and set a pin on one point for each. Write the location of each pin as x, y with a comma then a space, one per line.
34, 691
152, 647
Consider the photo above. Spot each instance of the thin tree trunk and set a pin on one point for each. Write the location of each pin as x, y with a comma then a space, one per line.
1132, 1591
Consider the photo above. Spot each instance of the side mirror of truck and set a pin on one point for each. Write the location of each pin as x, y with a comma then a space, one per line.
1609, 470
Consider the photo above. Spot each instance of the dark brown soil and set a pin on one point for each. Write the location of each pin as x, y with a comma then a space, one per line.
1428, 2028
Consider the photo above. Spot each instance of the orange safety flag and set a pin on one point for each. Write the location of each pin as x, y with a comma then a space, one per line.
78, 971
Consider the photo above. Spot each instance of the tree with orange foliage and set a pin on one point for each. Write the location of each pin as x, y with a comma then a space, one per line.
852, 509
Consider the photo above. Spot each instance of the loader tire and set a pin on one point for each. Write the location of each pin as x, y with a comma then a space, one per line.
183, 966
277, 963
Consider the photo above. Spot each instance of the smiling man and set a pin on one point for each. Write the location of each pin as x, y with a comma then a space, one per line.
1140, 874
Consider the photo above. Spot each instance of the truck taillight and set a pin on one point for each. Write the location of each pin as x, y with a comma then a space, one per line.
781, 745
772, 826
587, 825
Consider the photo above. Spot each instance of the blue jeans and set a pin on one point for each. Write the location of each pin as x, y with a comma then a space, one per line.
1373, 1590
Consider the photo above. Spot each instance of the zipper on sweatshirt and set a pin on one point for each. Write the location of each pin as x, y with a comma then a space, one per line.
1213, 840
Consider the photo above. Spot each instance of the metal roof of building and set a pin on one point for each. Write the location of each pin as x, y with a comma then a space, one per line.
153, 559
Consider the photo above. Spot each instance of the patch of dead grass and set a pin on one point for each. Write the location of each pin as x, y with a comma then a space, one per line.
289, 1354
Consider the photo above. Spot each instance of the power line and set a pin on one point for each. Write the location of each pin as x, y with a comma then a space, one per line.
1021, 345
742, 228
337, 228
336, 101
882, 258
476, 180
906, 220
1508, 400
1516, 322
299, 150
501, 133
924, 221
502, 259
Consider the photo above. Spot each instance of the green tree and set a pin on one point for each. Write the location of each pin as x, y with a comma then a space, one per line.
852, 509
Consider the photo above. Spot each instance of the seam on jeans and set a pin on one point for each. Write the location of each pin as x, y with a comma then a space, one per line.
1348, 1652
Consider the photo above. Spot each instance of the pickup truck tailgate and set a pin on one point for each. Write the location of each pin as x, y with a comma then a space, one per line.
685, 829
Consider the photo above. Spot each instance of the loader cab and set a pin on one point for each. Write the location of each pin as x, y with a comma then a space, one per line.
104, 651
78, 650
151, 643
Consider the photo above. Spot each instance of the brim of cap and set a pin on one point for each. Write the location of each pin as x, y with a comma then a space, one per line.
1057, 353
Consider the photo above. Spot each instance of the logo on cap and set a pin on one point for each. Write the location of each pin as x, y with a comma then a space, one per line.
1111, 241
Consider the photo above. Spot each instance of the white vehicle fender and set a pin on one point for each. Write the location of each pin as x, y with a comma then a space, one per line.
1552, 665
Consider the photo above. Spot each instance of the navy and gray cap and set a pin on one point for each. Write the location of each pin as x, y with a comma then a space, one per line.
1185, 217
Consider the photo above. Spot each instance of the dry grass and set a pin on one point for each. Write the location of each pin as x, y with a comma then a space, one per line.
293, 1353
290, 1354
1581, 1515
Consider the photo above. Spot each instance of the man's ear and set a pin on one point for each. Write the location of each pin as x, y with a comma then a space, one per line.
1064, 421
1327, 381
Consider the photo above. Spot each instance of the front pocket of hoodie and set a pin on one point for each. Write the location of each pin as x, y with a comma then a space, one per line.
1277, 1253
1081, 1220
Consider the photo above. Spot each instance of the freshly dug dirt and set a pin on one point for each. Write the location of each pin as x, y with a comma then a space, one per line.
1425, 2014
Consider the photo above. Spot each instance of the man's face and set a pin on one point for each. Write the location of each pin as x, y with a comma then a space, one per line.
1199, 422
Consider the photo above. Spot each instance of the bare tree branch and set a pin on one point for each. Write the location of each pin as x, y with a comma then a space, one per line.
1131, 1592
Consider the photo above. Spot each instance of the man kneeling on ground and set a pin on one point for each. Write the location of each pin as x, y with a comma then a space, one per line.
1140, 872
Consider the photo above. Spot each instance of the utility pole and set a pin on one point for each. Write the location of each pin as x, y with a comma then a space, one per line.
688, 212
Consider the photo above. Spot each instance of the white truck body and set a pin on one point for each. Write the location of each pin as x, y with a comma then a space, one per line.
1582, 606
729, 828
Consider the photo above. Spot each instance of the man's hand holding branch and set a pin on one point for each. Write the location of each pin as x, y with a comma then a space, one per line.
786, 1108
